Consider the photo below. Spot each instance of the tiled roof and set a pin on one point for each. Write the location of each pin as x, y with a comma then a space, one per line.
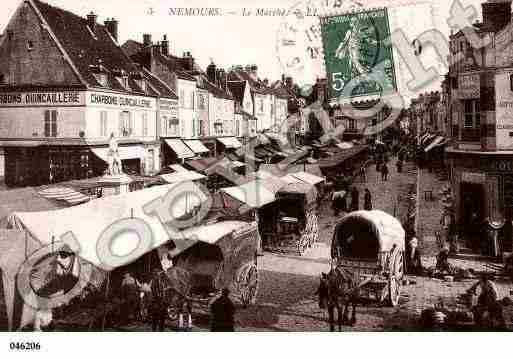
159, 85
237, 88
132, 47
214, 90
86, 48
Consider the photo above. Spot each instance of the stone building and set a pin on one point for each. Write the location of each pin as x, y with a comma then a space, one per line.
481, 116
66, 87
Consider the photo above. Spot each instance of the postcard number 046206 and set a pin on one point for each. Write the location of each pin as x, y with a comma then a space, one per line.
24, 346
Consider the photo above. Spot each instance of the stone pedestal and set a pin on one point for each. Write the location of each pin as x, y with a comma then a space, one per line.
115, 184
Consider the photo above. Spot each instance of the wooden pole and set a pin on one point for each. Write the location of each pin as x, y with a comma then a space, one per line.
107, 289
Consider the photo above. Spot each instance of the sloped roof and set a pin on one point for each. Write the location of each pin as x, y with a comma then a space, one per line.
215, 90
237, 89
84, 49
132, 47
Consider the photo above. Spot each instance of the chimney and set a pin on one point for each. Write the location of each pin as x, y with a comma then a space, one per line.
147, 40
155, 48
112, 27
212, 72
165, 46
496, 14
188, 62
266, 82
221, 78
283, 78
91, 21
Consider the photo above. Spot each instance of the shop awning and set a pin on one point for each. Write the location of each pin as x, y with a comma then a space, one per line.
178, 168
178, 177
202, 164
230, 142
196, 146
125, 153
308, 178
436, 142
180, 149
238, 164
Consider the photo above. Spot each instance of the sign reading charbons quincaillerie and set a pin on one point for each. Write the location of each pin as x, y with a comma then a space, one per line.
64, 98
504, 110
355, 46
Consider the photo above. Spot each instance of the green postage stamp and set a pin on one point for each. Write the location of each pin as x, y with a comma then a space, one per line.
358, 55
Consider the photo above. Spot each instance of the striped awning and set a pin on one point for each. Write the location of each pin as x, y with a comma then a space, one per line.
196, 146
230, 142
125, 153
180, 149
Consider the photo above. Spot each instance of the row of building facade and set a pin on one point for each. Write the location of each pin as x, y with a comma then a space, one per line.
474, 111
67, 86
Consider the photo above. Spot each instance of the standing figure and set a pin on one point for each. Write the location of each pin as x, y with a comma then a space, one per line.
413, 258
384, 172
367, 200
114, 158
363, 174
222, 313
399, 165
355, 199
130, 297
339, 202
158, 309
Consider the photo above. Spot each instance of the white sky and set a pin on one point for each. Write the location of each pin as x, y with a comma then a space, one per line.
228, 40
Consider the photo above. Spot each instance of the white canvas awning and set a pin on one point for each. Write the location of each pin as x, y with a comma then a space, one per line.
230, 142
125, 153
308, 178
180, 149
87, 222
178, 177
437, 141
196, 146
254, 194
178, 168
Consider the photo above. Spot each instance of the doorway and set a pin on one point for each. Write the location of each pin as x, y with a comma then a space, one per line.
472, 214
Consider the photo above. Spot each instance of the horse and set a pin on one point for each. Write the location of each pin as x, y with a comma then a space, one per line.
337, 290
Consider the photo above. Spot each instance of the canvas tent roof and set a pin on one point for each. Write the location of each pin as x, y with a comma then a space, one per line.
387, 229
88, 221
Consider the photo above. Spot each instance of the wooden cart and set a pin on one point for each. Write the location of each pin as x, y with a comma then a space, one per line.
370, 245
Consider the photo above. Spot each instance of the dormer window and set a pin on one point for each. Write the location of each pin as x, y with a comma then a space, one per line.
100, 74
102, 79
142, 85
30, 45
123, 80
2, 79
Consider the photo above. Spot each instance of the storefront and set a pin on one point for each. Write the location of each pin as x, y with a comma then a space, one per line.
482, 185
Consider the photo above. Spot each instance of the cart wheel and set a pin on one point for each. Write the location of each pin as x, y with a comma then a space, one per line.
249, 287
394, 291
399, 266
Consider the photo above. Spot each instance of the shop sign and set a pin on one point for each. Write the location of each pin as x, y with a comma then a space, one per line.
469, 86
473, 177
120, 101
497, 165
504, 110
28, 99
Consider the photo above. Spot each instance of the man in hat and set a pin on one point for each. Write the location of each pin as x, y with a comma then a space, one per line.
355, 199
222, 313
130, 296
487, 301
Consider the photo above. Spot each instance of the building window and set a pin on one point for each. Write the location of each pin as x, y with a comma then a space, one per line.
237, 128
103, 123
472, 117
511, 82
125, 128
172, 126
50, 123
123, 81
182, 98
2, 79
145, 124
218, 128
192, 100
30, 45
201, 102
261, 105
201, 131
351, 124
272, 110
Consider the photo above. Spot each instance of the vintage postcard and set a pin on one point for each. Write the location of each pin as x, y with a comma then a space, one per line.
306, 166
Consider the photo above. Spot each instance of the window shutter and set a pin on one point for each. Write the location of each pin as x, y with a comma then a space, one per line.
47, 123
121, 125
54, 124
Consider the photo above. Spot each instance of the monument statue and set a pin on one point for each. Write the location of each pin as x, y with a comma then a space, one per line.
114, 159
